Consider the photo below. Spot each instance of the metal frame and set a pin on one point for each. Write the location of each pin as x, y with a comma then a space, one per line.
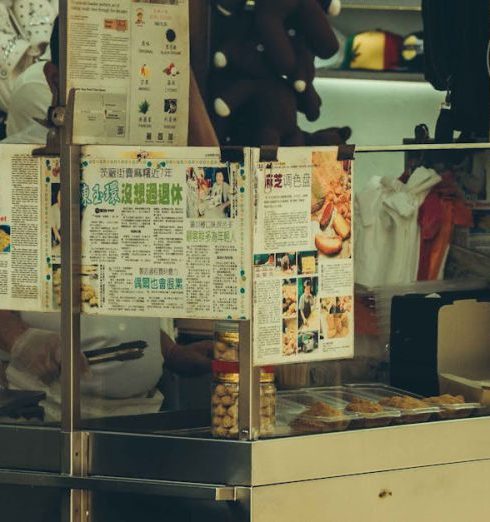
215, 470
289, 459
217, 493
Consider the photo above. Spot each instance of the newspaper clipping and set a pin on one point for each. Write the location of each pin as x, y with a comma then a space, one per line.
129, 61
303, 267
165, 233
30, 189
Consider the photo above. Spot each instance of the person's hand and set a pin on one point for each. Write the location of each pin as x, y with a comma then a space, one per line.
190, 360
200, 356
38, 352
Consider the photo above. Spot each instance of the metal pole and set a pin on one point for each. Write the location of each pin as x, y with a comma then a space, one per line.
76, 508
249, 394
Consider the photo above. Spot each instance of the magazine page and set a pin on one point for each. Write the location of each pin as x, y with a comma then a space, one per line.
129, 61
25, 259
303, 265
165, 232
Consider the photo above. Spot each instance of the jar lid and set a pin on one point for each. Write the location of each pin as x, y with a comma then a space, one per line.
225, 367
230, 370
227, 327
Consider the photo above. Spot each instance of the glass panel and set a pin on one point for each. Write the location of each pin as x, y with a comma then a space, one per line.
122, 394
30, 368
396, 324
411, 363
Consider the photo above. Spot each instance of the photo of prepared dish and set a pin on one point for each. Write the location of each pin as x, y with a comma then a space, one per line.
308, 342
331, 205
335, 317
289, 337
4, 239
286, 263
289, 299
89, 294
309, 317
308, 262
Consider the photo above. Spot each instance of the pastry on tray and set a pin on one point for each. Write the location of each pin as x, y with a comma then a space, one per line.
359, 405
403, 402
445, 399
320, 417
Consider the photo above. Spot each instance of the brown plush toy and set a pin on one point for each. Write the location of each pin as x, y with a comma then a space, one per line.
306, 17
263, 109
246, 57
265, 71
330, 136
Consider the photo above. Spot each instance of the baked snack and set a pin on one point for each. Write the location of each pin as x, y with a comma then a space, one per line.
224, 410
403, 402
320, 417
445, 399
359, 405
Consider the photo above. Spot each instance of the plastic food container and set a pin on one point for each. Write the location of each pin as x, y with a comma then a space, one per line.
224, 401
377, 419
459, 410
317, 415
383, 393
226, 341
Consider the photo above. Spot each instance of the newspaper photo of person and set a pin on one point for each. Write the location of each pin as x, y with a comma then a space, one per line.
209, 193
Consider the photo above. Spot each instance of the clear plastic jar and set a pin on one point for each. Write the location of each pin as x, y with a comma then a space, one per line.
226, 341
224, 404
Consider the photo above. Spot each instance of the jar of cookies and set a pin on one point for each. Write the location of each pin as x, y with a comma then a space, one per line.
224, 401
226, 340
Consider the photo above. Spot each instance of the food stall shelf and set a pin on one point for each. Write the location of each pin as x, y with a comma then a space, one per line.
217, 493
274, 461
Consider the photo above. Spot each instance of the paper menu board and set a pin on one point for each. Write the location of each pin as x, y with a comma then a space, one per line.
166, 233
303, 267
129, 62
29, 215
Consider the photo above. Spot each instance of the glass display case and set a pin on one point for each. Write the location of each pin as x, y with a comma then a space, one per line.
325, 399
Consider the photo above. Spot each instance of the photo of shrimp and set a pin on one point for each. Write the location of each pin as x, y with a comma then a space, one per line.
88, 286
331, 205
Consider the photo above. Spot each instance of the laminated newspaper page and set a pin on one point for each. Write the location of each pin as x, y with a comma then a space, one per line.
29, 228
129, 61
166, 233
303, 258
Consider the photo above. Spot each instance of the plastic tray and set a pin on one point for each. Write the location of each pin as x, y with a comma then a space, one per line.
459, 410
365, 420
303, 423
379, 392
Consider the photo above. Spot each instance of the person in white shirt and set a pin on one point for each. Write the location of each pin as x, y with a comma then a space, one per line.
25, 29
220, 194
32, 340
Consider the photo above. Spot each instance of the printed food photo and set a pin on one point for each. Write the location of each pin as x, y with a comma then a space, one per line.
4, 239
331, 206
